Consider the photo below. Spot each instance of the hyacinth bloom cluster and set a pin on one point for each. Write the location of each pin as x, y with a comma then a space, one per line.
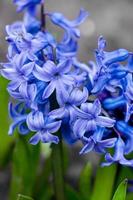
54, 91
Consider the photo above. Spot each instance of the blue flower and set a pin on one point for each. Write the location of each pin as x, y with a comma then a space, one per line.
130, 63
114, 102
126, 131
67, 49
31, 24
124, 98
108, 70
105, 58
43, 126
69, 109
22, 41
18, 114
69, 26
118, 155
91, 119
109, 76
22, 4
128, 94
18, 70
58, 78
96, 143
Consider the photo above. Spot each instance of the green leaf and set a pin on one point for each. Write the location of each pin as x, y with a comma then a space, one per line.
125, 173
85, 182
24, 167
129, 196
42, 188
104, 182
71, 194
6, 141
120, 193
23, 197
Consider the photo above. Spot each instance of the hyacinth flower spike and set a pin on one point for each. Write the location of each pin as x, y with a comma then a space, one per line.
50, 84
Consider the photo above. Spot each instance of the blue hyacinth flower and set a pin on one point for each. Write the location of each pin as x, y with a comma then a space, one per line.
118, 155
69, 106
22, 41
108, 70
30, 4
58, 78
69, 26
31, 24
91, 119
127, 132
96, 143
105, 58
44, 127
18, 115
18, 70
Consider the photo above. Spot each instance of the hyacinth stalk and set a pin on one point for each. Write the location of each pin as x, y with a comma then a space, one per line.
57, 150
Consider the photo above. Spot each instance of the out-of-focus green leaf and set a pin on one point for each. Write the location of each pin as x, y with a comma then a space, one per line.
129, 196
6, 141
43, 189
23, 197
125, 173
120, 193
65, 157
71, 194
45, 150
24, 168
104, 182
85, 182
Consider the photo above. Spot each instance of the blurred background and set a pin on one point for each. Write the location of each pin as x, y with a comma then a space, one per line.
111, 18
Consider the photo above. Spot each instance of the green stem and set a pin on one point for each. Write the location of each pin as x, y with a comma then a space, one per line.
58, 170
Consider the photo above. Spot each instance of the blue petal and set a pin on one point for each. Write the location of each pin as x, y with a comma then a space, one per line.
79, 128
35, 121
46, 137
113, 103
35, 139
53, 126
105, 121
88, 147
57, 113
115, 56
49, 90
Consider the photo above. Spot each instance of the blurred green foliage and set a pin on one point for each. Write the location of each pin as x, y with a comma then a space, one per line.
6, 141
